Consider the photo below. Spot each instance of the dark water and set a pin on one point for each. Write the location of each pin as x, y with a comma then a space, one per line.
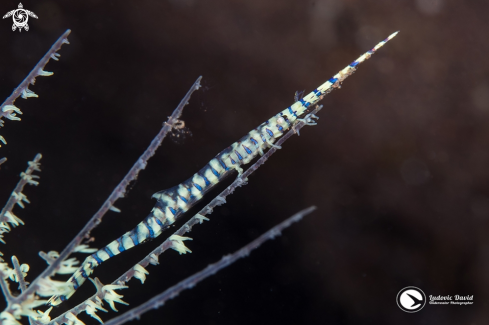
398, 164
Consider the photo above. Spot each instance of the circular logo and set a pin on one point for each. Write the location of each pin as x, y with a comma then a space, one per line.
411, 299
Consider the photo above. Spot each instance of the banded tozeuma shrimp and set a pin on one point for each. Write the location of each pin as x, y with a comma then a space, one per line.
174, 202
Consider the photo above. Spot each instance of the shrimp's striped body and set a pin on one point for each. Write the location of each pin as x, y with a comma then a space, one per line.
174, 202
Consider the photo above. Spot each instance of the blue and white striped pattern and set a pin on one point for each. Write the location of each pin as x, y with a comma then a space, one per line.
173, 202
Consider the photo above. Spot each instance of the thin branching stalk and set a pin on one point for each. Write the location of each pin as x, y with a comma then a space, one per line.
152, 258
18, 272
8, 109
17, 197
211, 269
117, 193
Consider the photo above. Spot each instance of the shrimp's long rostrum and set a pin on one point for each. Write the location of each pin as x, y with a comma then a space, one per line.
172, 203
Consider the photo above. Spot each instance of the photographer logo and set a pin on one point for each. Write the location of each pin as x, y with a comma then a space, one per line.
411, 299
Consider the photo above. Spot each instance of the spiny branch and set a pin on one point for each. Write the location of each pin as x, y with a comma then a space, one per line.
6, 215
18, 272
117, 193
187, 227
8, 109
211, 269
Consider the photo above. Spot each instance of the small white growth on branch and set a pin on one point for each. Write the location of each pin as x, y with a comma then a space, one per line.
92, 307
68, 266
47, 287
12, 218
113, 208
26, 93
22, 271
74, 320
49, 257
44, 317
110, 296
153, 259
10, 111
84, 249
43, 73
178, 245
220, 200
19, 197
140, 273
7, 318
201, 218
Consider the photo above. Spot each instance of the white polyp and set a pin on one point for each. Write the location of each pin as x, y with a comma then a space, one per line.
308, 119
140, 273
26, 93
179, 238
53, 255
11, 116
153, 259
91, 309
24, 198
142, 163
3, 140
4, 227
73, 319
18, 199
47, 287
110, 296
201, 218
220, 199
24, 268
273, 145
55, 56
113, 208
8, 319
29, 178
68, 266
180, 247
43, 73
84, 249
44, 316
8, 108
13, 219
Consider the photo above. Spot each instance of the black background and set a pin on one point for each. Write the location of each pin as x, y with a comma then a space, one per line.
398, 164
